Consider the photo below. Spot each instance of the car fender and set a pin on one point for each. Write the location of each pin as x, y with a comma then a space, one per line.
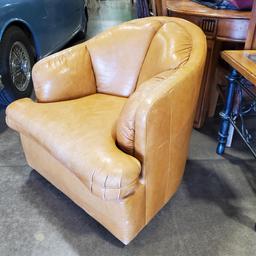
22, 24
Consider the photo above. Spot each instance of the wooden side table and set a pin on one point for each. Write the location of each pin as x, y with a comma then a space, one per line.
234, 108
219, 26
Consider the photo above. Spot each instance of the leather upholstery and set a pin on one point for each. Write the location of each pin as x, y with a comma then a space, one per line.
175, 51
64, 76
119, 216
117, 56
115, 114
110, 174
126, 121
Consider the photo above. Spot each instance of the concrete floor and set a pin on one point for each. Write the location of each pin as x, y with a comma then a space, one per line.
212, 214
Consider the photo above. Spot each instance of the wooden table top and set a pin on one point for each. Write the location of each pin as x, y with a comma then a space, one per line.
239, 60
192, 8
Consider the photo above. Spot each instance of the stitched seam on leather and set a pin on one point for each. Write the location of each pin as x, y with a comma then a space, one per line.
170, 148
117, 188
145, 174
104, 195
147, 53
92, 67
118, 196
92, 177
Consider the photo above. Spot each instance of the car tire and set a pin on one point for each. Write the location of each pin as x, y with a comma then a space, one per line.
16, 61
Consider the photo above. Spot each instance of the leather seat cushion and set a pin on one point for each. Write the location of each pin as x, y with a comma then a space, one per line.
81, 135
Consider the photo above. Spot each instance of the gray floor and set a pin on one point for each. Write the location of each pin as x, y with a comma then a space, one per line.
212, 214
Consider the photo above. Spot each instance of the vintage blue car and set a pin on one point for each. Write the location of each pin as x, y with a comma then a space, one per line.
31, 30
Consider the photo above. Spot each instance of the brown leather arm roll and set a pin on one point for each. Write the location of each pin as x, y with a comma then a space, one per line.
171, 103
163, 127
65, 75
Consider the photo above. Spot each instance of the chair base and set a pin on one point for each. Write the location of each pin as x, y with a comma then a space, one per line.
123, 218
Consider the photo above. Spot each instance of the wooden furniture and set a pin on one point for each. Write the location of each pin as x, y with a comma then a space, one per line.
219, 26
239, 60
159, 7
251, 37
237, 90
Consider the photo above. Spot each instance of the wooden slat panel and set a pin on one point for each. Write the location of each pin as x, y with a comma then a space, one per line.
251, 37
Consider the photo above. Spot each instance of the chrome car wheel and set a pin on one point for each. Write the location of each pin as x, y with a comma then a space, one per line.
17, 57
20, 66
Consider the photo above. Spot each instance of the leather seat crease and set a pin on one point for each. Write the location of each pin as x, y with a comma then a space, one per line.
81, 135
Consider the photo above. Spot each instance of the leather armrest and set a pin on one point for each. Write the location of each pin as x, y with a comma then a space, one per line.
64, 76
132, 122
163, 126
170, 103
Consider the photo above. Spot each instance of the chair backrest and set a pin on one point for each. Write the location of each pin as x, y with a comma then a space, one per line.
128, 55
117, 56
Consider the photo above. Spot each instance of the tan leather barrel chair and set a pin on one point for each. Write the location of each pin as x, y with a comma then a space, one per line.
112, 122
